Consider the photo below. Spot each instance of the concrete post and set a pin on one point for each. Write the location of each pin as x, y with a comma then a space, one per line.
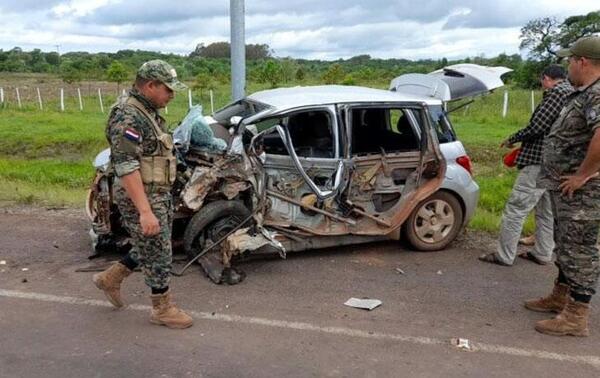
18, 97
39, 96
100, 100
238, 49
505, 105
80, 100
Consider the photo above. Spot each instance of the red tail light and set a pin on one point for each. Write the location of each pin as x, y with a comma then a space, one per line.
465, 162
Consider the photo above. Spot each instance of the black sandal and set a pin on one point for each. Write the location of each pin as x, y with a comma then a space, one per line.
531, 257
492, 258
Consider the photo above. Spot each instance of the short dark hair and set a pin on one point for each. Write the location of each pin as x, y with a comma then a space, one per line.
141, 81
554, 72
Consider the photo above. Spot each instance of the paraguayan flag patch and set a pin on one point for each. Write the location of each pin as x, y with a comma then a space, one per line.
132, 135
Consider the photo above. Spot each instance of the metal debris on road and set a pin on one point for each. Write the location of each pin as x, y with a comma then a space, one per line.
462, 344
2, 262
364, 303
439, 272
25, 269
399, 271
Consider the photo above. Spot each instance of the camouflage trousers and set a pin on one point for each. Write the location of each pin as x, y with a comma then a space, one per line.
152, 253
577, 234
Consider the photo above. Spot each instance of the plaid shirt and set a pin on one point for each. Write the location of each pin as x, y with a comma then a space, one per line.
532, 136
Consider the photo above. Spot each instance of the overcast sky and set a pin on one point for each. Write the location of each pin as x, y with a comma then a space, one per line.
324, 29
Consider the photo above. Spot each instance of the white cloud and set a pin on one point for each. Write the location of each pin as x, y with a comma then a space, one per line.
298, 28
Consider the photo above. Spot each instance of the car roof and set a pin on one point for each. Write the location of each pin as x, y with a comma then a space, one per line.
293, 97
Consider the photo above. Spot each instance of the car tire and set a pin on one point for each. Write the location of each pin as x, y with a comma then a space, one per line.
434, 223
213, 221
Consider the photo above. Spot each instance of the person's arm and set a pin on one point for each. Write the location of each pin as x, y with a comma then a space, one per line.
542, 119
588, 169
133, 185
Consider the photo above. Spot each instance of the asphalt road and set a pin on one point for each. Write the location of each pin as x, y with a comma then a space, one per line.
286, 320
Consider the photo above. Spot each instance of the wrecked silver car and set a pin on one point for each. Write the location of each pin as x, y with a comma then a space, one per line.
304, 168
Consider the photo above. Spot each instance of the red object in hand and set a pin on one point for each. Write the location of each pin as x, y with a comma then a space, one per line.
510, 159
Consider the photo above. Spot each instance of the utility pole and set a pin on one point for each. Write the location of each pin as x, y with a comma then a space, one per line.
238, 49
58, 53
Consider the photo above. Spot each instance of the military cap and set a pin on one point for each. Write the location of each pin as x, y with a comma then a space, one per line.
162, 71
588, 47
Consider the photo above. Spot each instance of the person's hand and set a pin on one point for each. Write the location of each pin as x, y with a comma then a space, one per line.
149, 223
572, 183
506, 144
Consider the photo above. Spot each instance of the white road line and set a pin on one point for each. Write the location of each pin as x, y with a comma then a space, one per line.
301, 326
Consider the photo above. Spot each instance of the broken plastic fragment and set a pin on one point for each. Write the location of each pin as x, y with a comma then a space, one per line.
463, 344
2, 262
365, 303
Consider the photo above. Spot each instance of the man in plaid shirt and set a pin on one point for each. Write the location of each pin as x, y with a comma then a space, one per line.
526, 193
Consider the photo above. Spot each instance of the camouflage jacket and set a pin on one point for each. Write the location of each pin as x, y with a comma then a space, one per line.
567, 143
131, 136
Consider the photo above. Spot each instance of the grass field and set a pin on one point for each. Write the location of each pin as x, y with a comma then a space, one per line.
46, 156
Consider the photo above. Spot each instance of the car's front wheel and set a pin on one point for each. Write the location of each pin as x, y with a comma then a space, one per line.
434, 223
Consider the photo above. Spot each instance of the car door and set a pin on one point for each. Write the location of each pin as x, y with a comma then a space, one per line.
396, 163
303, 165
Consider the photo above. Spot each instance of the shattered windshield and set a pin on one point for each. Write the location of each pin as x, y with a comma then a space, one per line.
242, 108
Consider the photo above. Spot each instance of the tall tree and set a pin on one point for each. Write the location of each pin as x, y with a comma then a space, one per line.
540, 37
270, 72
116, 73
544, 36
576, 27
334, 75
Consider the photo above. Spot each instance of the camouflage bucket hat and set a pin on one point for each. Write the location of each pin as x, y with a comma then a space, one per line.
163, 72
587, 47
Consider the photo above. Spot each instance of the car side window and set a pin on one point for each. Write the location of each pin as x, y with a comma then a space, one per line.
311, 133
441, 124
389, 129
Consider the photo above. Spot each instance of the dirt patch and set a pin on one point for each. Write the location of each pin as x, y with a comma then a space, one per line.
44, 212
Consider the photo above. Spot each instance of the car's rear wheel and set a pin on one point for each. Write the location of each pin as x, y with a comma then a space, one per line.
434, 223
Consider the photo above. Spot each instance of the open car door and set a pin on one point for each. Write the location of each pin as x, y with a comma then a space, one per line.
451, 83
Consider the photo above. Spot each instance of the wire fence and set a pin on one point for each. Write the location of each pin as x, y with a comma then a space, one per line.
74, 98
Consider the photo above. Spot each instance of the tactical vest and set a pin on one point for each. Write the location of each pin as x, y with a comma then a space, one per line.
161, 167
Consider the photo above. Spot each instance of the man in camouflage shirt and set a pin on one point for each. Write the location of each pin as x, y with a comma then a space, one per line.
144, 167
570, 165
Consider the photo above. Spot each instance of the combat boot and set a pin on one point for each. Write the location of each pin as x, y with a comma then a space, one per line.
555, 302
164, 312
573, 320
110, 281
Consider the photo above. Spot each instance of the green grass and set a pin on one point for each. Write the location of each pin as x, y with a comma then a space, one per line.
46, 156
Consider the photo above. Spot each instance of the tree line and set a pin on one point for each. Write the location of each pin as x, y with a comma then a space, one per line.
208, 65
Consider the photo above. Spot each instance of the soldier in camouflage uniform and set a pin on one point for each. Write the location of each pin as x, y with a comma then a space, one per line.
570, 165
144, 166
